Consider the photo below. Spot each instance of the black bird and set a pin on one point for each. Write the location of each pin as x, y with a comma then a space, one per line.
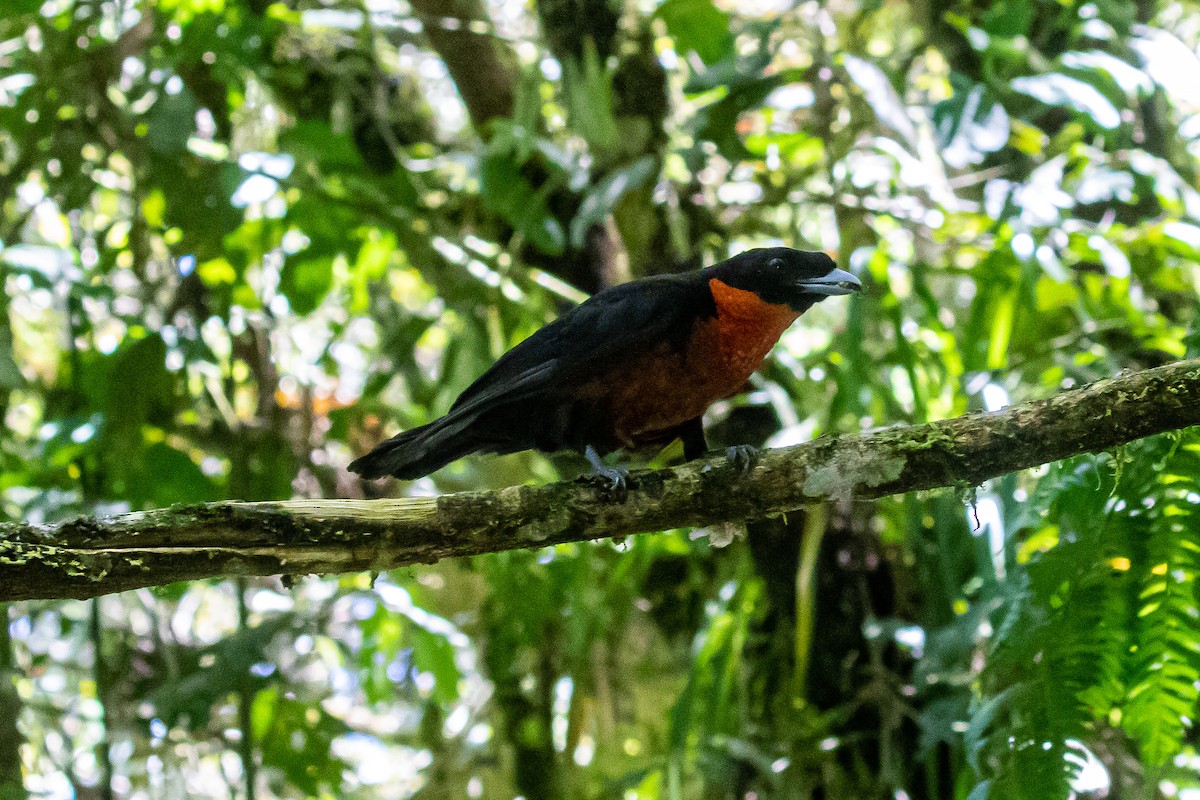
634, 367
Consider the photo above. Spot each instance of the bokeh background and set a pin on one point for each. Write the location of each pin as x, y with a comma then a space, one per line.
242, 241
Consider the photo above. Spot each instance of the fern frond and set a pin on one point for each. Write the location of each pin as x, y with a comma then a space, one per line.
1164, 663
1083, 630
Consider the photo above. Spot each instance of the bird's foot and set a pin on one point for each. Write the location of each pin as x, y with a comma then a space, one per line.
615, 475
742, 457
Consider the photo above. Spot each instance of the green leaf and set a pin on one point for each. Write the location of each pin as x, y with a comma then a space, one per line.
699, 26
1003, 320
314, 141
189, 700
970, 124
165, 476
976, 736
305, 280
882, 97
369, 267
172, 122
1008, 19
1055, 89
134, 388
1131, 81
434, 654
17, 7
508, 193
296, 737
717, 122
589, 93
981, 791
601, 198
10, 374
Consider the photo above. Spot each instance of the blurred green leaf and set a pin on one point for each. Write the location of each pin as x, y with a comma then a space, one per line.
10, 374
172, 122
698, 26
134, 388
216, 672
166, 476
297, 739
508, 193
17, 7
434, 654
305, 280
1131, 81
588, 87
718, 121
601, 198
970, 124
881, 96
314, 141
1009, 18
1055, 89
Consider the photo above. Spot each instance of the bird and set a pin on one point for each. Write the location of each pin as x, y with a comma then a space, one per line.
633, 367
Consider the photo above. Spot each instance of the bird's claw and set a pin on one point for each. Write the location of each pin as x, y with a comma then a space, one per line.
615, 475
742, 457
616, 478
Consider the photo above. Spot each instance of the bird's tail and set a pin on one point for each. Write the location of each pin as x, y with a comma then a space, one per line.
417, 452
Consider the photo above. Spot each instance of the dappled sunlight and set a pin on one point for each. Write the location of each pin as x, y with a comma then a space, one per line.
243, 242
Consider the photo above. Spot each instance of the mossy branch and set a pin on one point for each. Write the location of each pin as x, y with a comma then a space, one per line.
89, 557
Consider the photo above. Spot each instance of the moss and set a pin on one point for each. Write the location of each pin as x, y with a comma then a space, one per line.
18, 553
928, 438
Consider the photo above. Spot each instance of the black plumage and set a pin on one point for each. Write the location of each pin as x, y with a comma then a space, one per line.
631, 367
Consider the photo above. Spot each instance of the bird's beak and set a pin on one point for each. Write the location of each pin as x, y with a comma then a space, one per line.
836, 282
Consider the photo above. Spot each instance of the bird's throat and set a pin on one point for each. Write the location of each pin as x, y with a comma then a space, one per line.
747, 326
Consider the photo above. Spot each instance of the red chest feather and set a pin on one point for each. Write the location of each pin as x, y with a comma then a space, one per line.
663, 388
747, 327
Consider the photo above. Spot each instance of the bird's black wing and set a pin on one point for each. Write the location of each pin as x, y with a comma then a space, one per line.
513, 405
625, 320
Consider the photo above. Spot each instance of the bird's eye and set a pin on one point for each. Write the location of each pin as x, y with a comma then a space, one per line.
775, 263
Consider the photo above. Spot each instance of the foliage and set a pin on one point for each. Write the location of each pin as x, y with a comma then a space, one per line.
241, 241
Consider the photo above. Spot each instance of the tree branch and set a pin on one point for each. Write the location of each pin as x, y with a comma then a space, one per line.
88, 557
483, 67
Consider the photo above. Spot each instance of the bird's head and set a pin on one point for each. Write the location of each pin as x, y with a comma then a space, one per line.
783, 275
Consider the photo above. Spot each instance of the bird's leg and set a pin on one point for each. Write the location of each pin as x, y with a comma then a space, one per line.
741, 457
616, 475
691, 433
